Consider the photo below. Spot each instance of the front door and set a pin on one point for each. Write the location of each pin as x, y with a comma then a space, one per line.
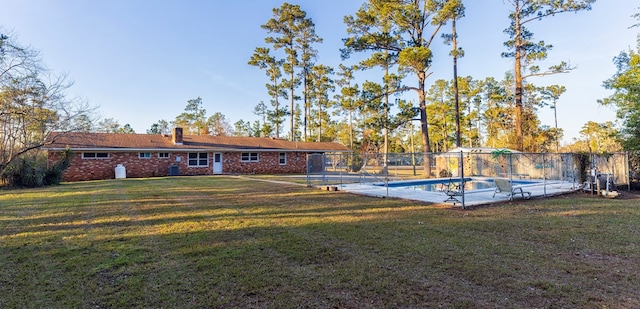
217, 163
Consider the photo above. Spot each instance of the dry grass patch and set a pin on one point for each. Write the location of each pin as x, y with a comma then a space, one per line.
228, 242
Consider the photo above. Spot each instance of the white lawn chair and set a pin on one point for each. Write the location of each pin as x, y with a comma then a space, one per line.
504, 186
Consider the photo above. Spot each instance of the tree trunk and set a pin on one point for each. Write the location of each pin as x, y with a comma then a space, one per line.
555, 117
455, 81
386, 110
350, 129
319, 120
424, 125
291, 88
518, 143
306, 107
277, 112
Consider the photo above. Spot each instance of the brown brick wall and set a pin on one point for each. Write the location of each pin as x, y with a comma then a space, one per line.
95, 169
268, 164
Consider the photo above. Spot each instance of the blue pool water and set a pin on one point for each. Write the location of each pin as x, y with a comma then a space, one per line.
442, 183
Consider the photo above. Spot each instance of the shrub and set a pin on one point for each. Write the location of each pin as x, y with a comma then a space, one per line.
444, 173
31, 170
583, 165
53, 175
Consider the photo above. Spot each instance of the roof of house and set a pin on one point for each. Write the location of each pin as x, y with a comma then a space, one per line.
137, 142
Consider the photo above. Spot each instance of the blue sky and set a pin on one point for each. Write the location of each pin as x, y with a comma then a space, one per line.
141, 60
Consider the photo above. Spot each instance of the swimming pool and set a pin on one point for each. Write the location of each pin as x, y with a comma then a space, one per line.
440, 184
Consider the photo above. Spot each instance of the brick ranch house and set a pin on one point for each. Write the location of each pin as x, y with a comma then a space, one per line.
95, 156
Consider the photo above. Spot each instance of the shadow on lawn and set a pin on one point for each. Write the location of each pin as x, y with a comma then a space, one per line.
213, 242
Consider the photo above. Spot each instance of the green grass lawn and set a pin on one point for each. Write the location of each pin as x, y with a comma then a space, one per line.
223, 242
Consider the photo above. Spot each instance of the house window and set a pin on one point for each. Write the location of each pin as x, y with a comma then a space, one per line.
282, 158
198, 159
95, 155
163, 155
144, 155
249, 157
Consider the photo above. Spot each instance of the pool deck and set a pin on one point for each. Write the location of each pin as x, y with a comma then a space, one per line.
471, 198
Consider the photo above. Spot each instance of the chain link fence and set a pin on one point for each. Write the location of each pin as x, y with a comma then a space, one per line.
578, 168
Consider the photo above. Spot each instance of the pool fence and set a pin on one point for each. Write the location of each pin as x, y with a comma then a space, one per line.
579, 168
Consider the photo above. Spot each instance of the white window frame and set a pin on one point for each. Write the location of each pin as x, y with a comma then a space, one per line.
282, 158
95, 155
144, 155
249, 157
199, 159
164, 155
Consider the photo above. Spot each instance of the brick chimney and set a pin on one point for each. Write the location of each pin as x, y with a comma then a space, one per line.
176, 136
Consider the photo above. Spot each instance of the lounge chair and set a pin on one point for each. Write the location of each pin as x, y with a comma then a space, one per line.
504, 186
453, 191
